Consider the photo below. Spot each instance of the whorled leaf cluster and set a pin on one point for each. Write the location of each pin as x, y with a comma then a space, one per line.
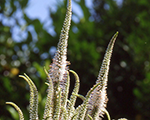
58, 106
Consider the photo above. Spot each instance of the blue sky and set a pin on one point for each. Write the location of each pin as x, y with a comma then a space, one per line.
40, 8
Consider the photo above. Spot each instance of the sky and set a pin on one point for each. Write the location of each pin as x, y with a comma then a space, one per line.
39, 9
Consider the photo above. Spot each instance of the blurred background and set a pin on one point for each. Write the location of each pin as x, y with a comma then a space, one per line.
29, 33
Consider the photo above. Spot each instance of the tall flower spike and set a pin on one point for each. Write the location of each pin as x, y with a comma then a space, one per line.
58, 70
58, 67
98, 98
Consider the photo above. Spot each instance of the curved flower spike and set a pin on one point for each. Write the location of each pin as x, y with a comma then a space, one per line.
106, 61
49, 103
33, 97
18, 109
98, 98
75, 91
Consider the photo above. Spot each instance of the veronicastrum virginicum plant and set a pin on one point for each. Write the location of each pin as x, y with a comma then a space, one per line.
58, 106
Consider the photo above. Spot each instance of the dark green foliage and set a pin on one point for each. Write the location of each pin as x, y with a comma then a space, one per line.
131, 57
